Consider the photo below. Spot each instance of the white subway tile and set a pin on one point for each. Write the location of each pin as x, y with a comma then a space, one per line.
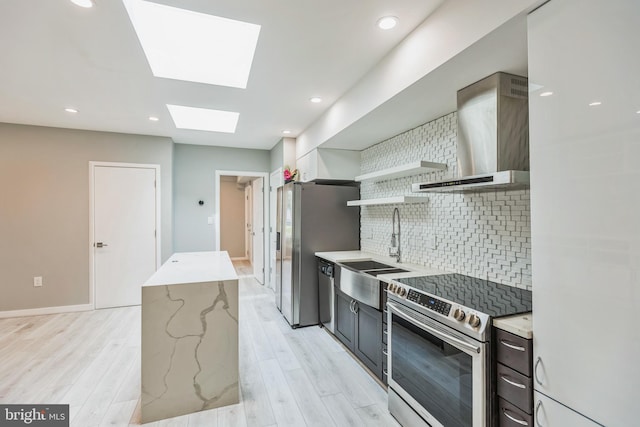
485, 235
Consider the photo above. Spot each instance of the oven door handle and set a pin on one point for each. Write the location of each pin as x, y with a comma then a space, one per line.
448, 338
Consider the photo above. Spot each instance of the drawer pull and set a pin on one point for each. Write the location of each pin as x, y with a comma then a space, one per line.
385, 352
508, 381
538, 405
384, 371
515, 420
385, 332
535, 370
512, 346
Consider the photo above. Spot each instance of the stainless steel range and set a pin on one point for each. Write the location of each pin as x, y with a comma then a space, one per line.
440, 370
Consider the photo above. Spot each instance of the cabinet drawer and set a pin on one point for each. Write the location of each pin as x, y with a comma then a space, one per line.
514, 351
515, 387
511, 416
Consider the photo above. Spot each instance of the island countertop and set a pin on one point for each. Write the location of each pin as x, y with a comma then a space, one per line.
189, 359
194, 267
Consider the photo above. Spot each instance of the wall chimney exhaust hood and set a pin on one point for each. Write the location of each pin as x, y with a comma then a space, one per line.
493, 137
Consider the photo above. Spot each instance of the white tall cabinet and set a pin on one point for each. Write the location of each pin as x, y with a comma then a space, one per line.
585, 211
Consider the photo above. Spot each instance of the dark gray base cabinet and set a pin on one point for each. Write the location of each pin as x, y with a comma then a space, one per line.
345, 320
359, 328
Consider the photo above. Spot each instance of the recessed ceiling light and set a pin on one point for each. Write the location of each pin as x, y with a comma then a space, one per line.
595, 103
387, 22
83, 3
286, 132
315, 100
546, 94
70, 110
196, 47
638, 112
203, 119
153, 118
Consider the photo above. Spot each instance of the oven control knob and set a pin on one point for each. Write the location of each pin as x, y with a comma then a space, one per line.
394, 287
474, 321
459, 315
387, 286
401, 291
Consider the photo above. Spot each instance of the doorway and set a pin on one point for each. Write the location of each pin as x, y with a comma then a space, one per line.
276, 180
124, 237
241, 213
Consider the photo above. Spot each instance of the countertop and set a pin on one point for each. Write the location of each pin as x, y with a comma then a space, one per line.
194, 267
520, 324
414, 269
189, 334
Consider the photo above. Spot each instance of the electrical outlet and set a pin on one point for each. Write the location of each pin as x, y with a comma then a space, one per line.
431, 242
37, 281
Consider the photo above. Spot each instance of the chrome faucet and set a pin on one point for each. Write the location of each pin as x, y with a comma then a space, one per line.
394, 250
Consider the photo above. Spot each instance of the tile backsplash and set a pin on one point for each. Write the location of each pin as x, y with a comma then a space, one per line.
484, 235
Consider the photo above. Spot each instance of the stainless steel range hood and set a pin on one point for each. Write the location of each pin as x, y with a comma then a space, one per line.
493, 137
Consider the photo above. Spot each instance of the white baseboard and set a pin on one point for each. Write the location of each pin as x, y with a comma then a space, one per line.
45, 310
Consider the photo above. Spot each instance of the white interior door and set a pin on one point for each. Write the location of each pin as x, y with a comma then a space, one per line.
124, 222
257, 210
275, 182
247, 222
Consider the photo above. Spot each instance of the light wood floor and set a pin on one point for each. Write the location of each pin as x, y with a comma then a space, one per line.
91, 360
243, 268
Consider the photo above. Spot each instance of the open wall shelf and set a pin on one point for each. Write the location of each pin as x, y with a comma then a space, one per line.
409, 169
388, 201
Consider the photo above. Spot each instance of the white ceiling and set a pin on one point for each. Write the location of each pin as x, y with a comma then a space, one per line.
434, 95
54, 54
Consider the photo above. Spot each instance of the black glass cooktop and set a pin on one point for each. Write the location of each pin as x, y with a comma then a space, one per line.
484, 296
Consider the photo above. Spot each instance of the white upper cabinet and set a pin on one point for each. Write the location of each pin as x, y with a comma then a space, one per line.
584, 68
328, 163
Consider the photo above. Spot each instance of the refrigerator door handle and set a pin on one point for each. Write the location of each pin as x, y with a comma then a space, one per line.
277, 240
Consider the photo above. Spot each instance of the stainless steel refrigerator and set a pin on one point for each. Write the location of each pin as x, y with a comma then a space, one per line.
311, 218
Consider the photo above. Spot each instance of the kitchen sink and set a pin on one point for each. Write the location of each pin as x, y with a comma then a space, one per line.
372, 268
366, 265
384, 271
358, 280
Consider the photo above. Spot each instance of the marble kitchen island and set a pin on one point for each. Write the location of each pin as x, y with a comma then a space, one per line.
189, 336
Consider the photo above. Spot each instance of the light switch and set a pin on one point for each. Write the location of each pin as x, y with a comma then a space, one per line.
210, 220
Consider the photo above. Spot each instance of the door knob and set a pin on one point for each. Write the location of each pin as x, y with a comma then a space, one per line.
100, 245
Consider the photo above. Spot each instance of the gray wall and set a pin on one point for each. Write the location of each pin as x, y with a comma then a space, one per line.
277, 156
194, 179
44, 208
232, 215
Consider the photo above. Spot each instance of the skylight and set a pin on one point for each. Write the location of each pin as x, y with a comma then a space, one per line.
203, 119
196, 47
